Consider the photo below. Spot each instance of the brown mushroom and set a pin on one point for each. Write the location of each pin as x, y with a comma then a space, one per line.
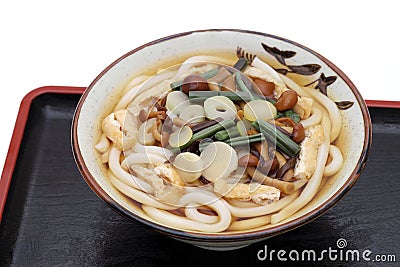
194, 82
298, 134
287, 100
265, 88
288, 165
268, 167
248, 160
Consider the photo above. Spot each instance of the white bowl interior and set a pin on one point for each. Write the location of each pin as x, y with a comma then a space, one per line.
106, 91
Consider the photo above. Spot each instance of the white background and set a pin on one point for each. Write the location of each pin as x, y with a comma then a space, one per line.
70, 42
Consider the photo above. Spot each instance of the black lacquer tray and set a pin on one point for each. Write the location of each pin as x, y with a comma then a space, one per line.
50, 217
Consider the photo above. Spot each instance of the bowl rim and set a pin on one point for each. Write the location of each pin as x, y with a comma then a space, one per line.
221, 237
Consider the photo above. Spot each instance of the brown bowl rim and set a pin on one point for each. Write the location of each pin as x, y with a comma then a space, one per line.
218, 237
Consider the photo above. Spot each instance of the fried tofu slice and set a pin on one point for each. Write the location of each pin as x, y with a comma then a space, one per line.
260, 194
307, 161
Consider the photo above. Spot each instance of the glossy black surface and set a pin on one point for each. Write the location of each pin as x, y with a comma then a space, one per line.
53, 219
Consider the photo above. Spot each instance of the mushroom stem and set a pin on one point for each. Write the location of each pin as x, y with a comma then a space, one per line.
262, 148
285, 187
213, 82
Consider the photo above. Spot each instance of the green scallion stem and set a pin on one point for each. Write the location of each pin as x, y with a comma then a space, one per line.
242, 86
201, 96
237, 141
283, 142
206, 133
245, 140
241, 64
213, 129
228, 133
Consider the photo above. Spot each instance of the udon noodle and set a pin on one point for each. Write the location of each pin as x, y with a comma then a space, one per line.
214, 145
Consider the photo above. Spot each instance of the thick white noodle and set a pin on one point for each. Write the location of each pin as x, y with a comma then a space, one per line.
142, 87
103, 144
323, 183
336, 162
258, 63
205, 189
192, 213
293, 85
167, 218
334, 113
135, 81
299, 184
247, 224
199, 197
136, 158
262, 210
242, 204
105, 156
314, 119
124, 176
312, 186
199, 60
139, 196
153, 149
127, 98
125, 167
127, 153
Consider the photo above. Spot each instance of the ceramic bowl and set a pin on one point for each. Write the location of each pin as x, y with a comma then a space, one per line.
302, 64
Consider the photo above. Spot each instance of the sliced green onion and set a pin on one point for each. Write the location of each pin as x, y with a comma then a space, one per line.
241, 64
206, 133
213, 129
241, 127
283, 142
240, 138
245, 140
201, 96
242, 86
228, 133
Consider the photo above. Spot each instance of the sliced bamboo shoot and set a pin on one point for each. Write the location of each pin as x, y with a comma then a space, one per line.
259, 110
189, 166
220, 160
192, 114
219, 107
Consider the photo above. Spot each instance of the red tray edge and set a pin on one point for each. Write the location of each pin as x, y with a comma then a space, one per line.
16, 138
19, 127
